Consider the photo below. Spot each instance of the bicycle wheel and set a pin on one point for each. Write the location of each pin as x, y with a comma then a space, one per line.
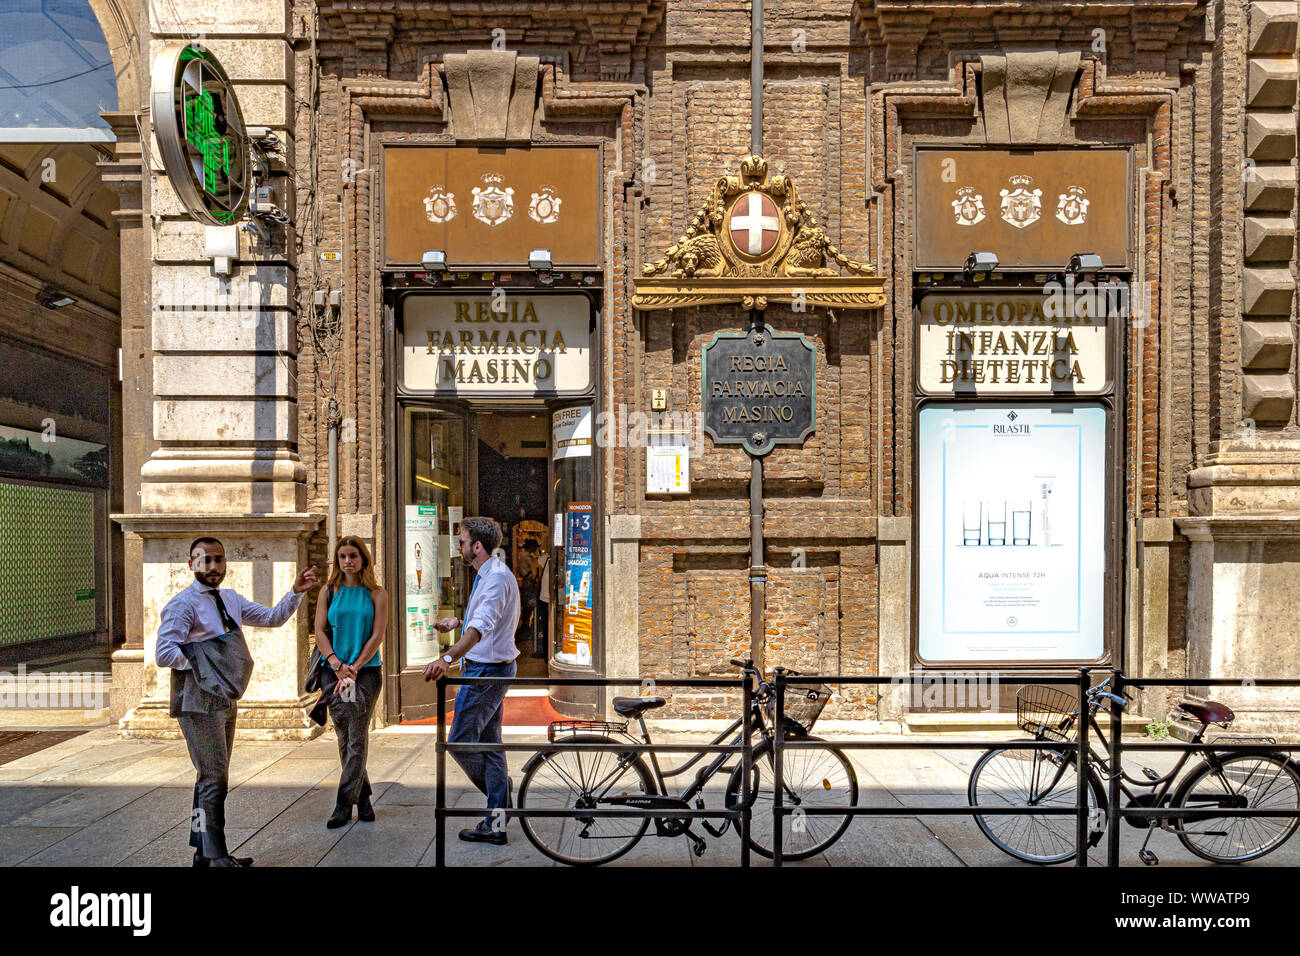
813, 778
1023, 777
567, 780
1266, 781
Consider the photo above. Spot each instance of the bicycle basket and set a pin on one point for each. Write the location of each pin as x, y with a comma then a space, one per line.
570, 728
1046, 711
803, 705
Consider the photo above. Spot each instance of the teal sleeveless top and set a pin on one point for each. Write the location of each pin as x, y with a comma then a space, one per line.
352, 616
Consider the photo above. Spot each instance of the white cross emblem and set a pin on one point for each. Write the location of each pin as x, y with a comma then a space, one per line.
748, 229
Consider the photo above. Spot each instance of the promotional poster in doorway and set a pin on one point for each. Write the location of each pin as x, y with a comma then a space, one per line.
575, 647
1011, 531
421, 550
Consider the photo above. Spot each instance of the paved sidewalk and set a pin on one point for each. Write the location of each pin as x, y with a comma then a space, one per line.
97, 800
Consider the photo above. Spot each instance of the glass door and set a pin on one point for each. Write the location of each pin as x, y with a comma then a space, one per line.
435, 475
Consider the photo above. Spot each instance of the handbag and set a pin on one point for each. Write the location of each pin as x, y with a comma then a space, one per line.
313, 665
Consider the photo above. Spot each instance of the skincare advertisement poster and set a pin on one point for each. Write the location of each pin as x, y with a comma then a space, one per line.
1011, 522
420, 542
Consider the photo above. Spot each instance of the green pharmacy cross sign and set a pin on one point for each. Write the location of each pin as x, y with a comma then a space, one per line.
201, 134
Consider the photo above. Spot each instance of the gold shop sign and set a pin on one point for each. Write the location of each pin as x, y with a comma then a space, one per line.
1032, 208
488, 207
1053, 342
754, 241
500, 346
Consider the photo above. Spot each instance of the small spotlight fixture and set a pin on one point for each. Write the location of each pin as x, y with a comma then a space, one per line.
539, 260
435, 260
1084, 262
979, 263
55, 299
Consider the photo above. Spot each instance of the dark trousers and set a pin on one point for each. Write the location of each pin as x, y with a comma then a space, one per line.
479, 708
351, 721
209, 738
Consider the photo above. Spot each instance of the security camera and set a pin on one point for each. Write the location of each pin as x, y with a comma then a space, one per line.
980, 263
1084, 262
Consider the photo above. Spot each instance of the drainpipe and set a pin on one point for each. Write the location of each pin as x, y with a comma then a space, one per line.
756, 78
757, 572
332, 419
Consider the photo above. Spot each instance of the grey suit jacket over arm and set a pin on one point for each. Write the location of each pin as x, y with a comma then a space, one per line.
220, 669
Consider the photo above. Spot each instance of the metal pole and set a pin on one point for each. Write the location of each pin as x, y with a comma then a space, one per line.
746, 765
1081, 797
440, 789
756, 77
1113, 815
778, 772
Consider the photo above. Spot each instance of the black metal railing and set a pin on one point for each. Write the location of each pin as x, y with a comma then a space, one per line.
781, 742
1080, 747
740, 816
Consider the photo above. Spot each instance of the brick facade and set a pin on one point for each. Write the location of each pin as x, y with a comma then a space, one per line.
1202, 91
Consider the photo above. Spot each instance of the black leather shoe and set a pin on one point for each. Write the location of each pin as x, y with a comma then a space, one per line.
485, 834
341, 817
200, 860
225, 861
365, 809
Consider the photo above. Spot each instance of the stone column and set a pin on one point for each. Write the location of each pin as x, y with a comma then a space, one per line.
894, 538
622, 604
223, 409
1242, 614
1243, 609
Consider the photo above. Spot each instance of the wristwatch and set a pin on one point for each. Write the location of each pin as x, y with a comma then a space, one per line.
449, 659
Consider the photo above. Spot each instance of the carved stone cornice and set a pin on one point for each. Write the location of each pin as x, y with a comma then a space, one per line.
611, 29
123, 174
1159, 28
754, 241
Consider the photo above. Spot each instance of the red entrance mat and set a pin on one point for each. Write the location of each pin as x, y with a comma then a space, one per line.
519, 712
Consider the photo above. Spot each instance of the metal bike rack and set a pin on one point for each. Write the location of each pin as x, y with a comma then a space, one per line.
740, 817
780, 742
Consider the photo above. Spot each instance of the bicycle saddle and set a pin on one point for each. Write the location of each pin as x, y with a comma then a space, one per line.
1210, 712
635, 706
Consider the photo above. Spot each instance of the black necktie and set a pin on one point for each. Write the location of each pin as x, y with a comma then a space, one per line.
227, 621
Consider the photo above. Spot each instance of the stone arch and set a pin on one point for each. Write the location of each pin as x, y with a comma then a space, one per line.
120, 22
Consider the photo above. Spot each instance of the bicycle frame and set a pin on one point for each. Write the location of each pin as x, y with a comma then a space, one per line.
705, 774
1100, 761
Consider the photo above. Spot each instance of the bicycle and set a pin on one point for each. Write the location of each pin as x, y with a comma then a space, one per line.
567, 779
1047, 777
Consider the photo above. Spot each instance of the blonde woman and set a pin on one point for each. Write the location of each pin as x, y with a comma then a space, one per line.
351, 616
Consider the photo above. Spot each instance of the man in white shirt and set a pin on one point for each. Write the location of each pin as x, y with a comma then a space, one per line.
200, 613
487, 643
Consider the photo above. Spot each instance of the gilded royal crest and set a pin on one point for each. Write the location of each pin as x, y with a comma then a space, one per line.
1072, 207
968, 207
545, 206
754, 240
440, 205
493, 204
1021, 206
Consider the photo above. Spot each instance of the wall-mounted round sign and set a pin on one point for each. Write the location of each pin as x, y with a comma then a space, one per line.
201, 134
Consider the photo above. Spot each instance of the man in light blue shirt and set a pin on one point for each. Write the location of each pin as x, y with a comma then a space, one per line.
487, 643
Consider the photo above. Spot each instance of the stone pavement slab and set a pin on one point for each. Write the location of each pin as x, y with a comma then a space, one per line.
99, 800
